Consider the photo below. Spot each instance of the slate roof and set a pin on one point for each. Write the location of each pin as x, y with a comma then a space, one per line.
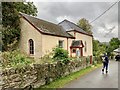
46, 27
69, 26
76, 43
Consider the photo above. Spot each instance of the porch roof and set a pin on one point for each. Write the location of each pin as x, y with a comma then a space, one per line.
77, 44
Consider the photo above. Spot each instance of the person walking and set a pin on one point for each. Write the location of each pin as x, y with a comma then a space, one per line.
105, 63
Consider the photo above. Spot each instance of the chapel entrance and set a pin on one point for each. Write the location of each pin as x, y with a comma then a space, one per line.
76, 48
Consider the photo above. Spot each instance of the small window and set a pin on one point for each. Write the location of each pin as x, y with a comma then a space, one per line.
31, 46
85, 46
73, 50
61, 43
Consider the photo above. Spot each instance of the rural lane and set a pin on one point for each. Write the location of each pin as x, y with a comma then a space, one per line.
96, 79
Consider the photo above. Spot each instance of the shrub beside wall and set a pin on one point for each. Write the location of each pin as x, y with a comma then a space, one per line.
97, 59
40, 74
15, 59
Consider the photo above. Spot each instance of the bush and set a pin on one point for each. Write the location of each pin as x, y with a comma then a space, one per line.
66, 60
97, 59
14, 59
88, 59
60, 54
46, 59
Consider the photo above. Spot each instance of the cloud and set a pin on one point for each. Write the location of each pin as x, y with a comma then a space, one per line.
74, 11
61, 18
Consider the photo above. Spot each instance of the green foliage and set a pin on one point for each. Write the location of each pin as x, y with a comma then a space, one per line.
14, 59
46, 59
10, 20
95, 47
98, 48
60, 54
97, 60
9, 36
87, 60
113, 44
85, 25
10, 12
26, 7
66, 60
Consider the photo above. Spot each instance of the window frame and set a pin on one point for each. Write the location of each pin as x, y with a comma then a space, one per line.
31, 47
62, 44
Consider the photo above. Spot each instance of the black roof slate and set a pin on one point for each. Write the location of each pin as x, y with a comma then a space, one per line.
68, 26
76, 43
47, 27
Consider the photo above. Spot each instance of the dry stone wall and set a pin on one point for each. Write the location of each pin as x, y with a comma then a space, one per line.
40, 74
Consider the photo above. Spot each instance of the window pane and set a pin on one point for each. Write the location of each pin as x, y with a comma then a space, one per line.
74, 50
61, 44
31, 46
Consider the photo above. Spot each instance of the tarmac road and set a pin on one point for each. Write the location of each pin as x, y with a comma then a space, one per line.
96, 79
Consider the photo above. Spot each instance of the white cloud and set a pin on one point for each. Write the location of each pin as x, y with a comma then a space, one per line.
61, 18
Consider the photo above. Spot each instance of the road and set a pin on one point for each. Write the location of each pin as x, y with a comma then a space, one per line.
96, 79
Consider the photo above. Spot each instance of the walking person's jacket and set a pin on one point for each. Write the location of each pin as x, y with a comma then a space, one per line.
106, 59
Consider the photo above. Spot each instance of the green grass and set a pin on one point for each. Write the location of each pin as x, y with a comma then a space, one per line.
59, 83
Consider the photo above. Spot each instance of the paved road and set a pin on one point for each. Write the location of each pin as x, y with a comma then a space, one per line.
96, 79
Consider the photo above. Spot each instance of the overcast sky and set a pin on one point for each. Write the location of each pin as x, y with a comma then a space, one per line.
57, 11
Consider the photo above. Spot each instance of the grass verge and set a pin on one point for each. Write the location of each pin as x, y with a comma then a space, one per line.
59, 83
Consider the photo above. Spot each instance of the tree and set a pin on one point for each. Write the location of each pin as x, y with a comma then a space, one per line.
85, 25
113, 44
95, 47
10, 20
98, 48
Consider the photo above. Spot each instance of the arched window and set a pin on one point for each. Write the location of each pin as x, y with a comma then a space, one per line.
31, 46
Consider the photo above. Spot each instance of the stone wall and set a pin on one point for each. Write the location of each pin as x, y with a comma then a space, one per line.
40, 74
